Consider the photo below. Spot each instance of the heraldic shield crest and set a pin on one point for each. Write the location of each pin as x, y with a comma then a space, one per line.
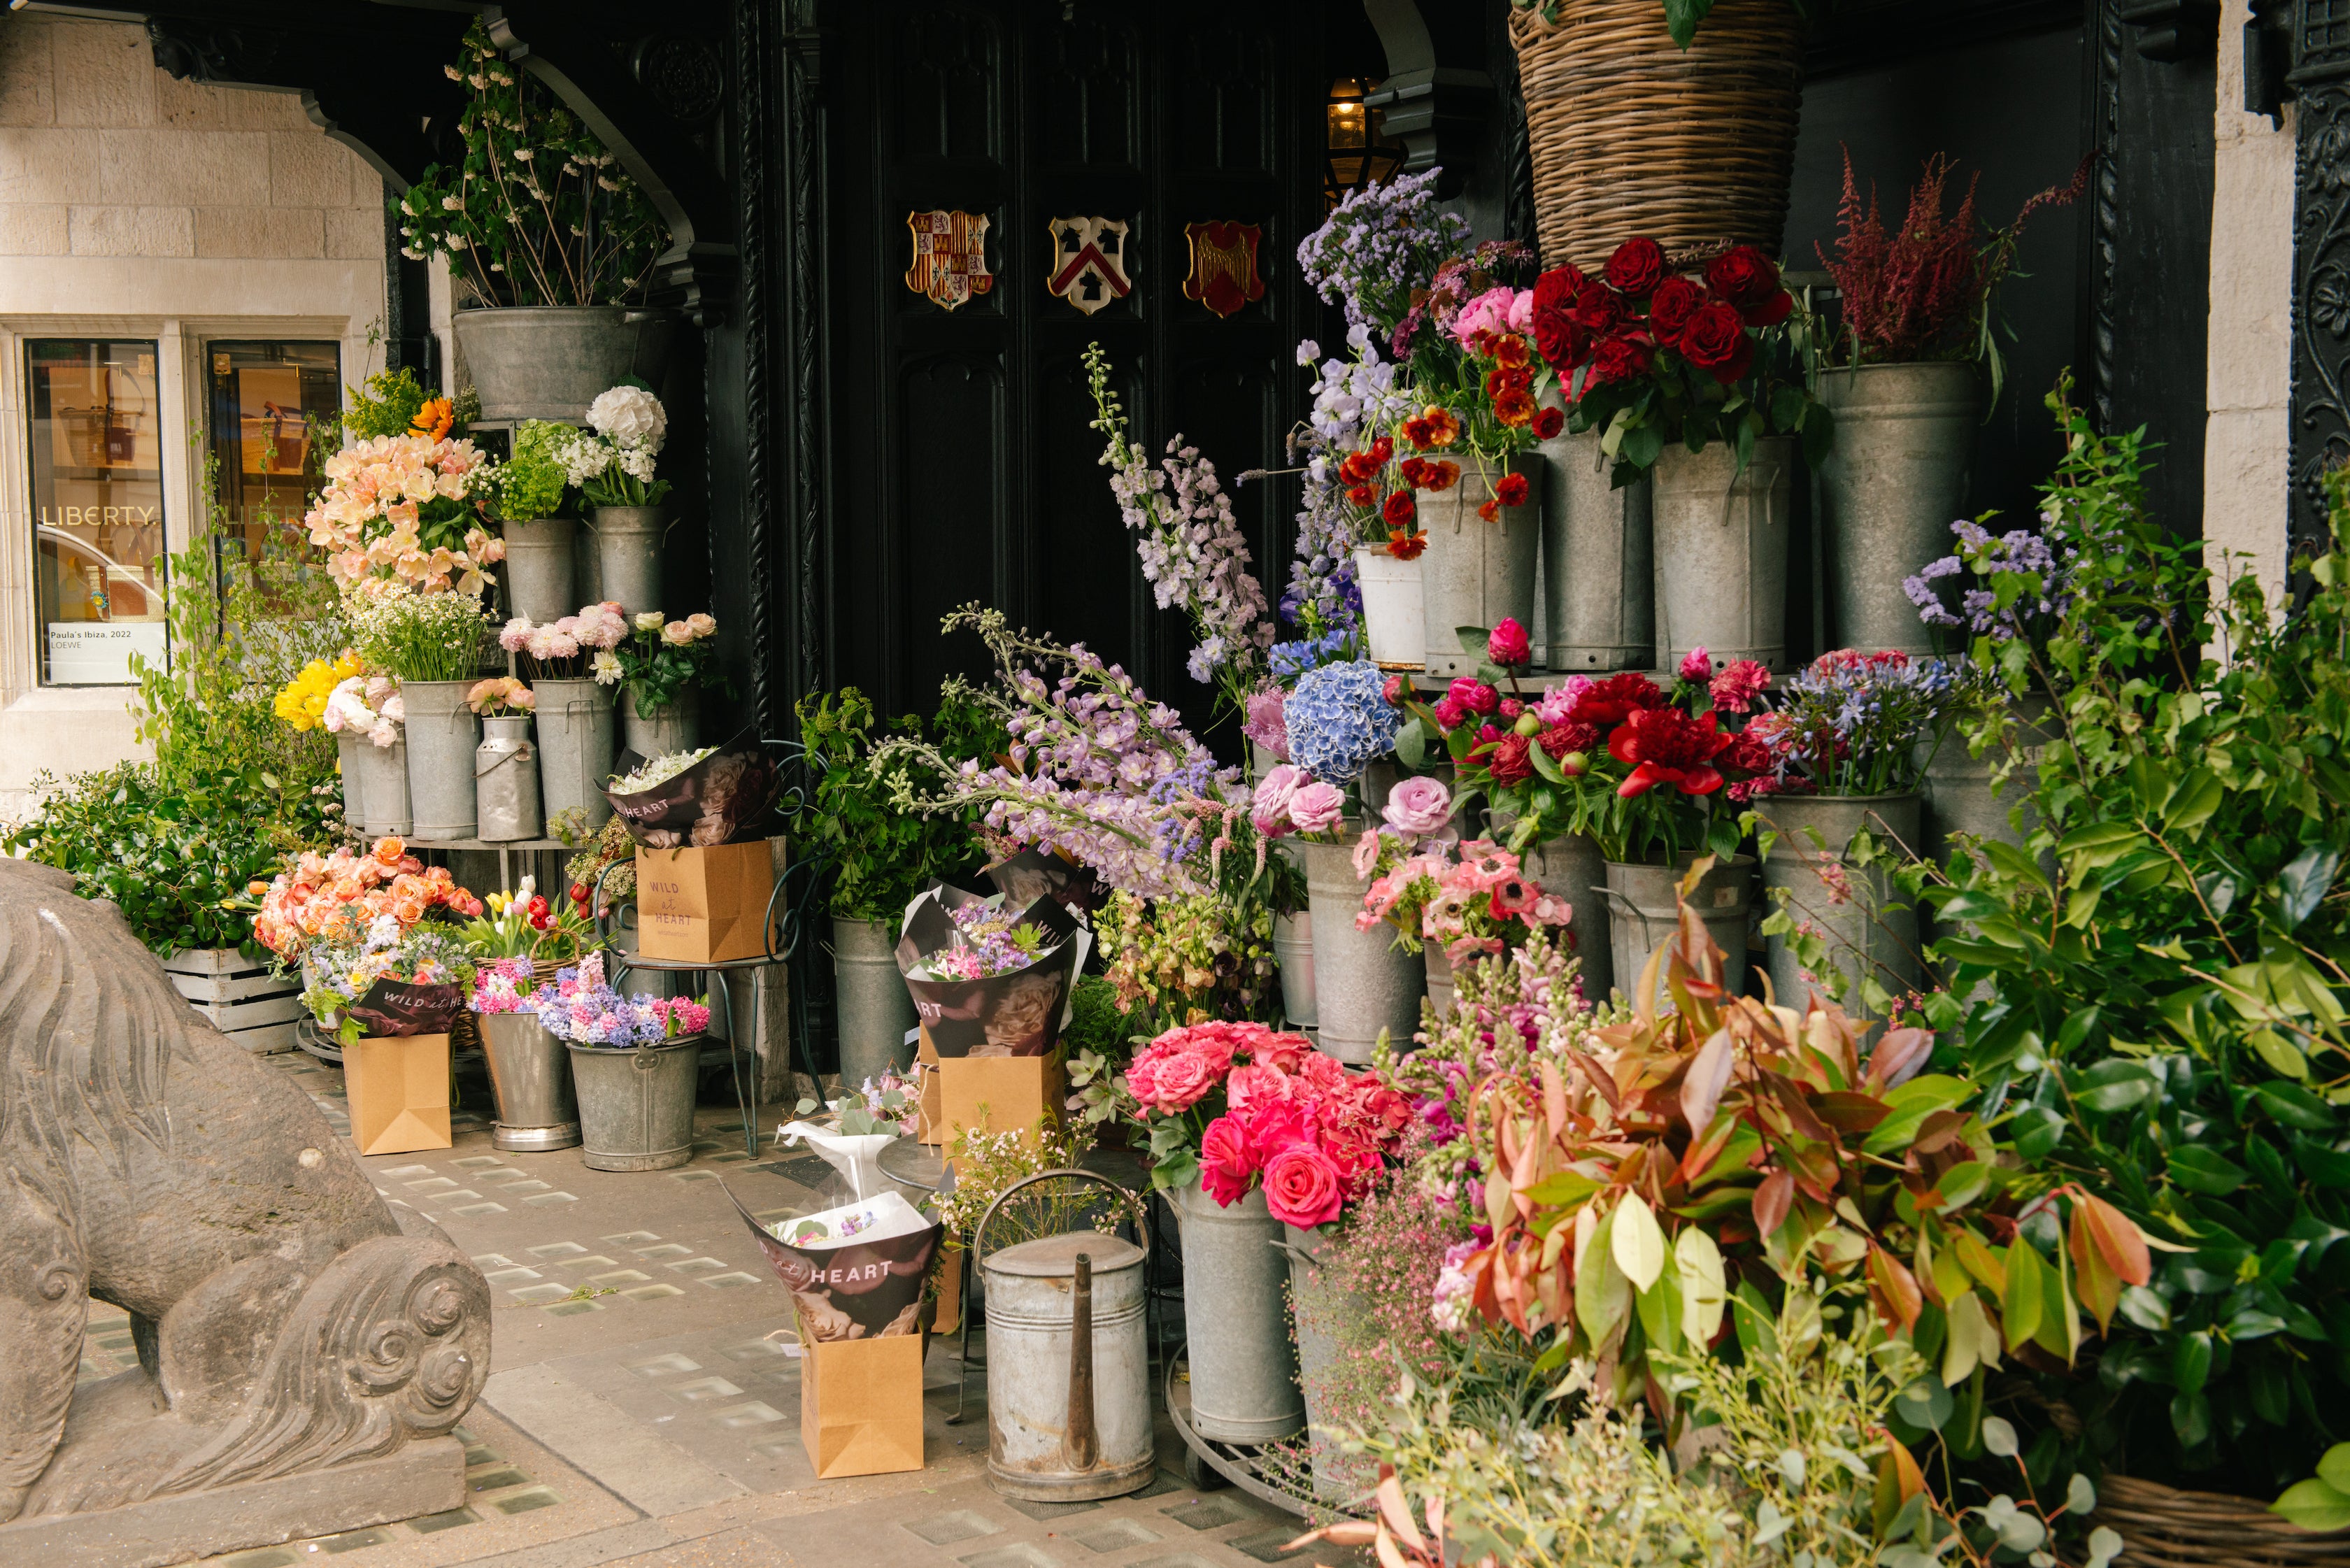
1223, 265
950, 261
1088, 264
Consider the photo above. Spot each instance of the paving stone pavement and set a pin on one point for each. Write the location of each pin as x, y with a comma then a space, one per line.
643, 1410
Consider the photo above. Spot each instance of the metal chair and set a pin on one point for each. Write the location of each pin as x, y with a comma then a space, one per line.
1049, 1203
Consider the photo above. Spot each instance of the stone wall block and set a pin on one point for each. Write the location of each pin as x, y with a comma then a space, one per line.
190, 168
104, 74
308, 170
33, 231
27, 91
37, 165
132, 232
354, 233
276, 233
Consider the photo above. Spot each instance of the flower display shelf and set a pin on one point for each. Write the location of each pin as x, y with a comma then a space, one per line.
504, 850
1204, 1458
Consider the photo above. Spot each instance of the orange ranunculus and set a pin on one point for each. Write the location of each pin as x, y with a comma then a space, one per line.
1440, 475
1510, 350
433, 419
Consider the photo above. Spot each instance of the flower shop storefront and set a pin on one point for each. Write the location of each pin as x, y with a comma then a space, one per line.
1585, 857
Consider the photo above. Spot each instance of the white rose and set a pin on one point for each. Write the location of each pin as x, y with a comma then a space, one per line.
651, 621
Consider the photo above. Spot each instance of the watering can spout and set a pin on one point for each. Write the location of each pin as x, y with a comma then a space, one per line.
1080, 1445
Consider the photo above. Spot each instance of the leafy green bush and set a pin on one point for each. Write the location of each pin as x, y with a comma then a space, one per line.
881, 855
2163, 971
177, 856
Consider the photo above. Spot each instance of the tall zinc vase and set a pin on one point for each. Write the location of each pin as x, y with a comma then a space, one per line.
1869, 923
1243, 1367
1721, 552
538, 575
530, 1074
574, 749
505, 781
442, 734
1392, 607
1599, 599
550, 362
383, 789
1475, 573
1960, 798
628, 555
1644, 913
348, 745
1362, 985
875, 1010
1889, 488
1292, 955
1323, 1307
1571, 867
662, 732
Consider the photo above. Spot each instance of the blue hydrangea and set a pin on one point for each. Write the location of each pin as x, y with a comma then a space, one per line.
1339, 721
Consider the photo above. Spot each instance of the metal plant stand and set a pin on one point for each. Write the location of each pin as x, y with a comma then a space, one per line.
1208, 1463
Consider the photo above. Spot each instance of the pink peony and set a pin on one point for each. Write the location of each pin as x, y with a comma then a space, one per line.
1418, 806
1304, 1187
1451, 713
1474, 695
1740, 683
1508, 645
1316, 807
1697, 665
1559, 701
1395, 690
1227, 1163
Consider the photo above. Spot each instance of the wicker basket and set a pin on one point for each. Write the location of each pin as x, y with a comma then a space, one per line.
2163, 1528
1632, 135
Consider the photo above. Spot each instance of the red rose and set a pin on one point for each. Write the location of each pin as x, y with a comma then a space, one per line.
1749, 280
1400, 509
1716, 340
1558, 338
1556, 289
1617, 359
1677, 299
1637, 267
1512, 760
1597, 308
1509, 490
1548, 423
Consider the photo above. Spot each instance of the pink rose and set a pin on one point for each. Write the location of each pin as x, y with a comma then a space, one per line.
1253, 1087
1227, 1163
1303, 1187
1172, 1081
1269, 807
1316, 807
1418, 806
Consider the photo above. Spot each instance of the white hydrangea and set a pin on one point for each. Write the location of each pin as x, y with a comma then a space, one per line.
630, 417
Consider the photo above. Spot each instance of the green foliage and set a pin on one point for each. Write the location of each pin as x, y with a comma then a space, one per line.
386, 406
881, 855
1097, 1022
176, 856
2162, 971
531, 483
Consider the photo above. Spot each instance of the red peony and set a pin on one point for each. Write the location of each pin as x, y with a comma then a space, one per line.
1400, 509
1610, 701
1564, 738
1304, 1187
1736, 688
1697, 664
1509, 490
1548, 423
1677, 299
1716, 340
1747, 280
1637, 267
1512, 760
1510, 709
1227, 1162
1665, 745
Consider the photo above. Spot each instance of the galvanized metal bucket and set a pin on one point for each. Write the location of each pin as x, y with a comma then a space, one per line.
1571, 866
875, 1008
574, 748
628, 555
1393, 617
1438, 965
383, 789
532, 1080
441, 733
636, 1107
1475, 573
1362, 985
1721, 552
1644, 911
1959, 794
505, 781
1068, 1373
1244, 1366
659, 735
1599, 595
1892, 483
1292, 955
538, 568
347, 747
1870, 924
1338, 1476
550, 362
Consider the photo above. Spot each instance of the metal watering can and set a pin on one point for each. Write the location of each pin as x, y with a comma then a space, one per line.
1068, 1377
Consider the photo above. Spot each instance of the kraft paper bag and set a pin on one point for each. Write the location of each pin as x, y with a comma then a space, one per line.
930, 1124
399, 1089
998, 1094
704, 906
861, 1404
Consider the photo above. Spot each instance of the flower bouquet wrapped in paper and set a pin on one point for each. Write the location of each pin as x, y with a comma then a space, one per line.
394, 980
989, 978
718, 795
857, 1266
1035, 874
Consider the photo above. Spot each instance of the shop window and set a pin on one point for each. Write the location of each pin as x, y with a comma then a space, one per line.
267, 399
98, 508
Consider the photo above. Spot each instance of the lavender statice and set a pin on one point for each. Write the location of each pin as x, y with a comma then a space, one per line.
2021, 582
1192, 551
1340, 721
1353, 398
1379, 244
1850, 722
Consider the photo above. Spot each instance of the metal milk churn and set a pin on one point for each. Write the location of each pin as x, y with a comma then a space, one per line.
1069, 1379
505, 780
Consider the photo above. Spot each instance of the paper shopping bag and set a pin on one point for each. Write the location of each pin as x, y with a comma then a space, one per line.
399, 1089
861, 1404
998, 1094
704, 906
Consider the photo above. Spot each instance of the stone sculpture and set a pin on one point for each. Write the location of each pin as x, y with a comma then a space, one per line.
287, 1319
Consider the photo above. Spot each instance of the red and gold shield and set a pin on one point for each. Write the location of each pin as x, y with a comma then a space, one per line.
950, 261
1223, 265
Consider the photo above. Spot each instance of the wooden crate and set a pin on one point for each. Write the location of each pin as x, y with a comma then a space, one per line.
239, 996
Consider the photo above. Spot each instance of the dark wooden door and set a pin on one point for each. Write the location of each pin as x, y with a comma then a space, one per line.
962, 466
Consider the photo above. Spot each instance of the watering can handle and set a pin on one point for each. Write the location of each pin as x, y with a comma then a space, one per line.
1080, 1444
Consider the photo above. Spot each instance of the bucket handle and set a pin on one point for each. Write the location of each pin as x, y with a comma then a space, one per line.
645, 1061
522, 751
1621, 908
